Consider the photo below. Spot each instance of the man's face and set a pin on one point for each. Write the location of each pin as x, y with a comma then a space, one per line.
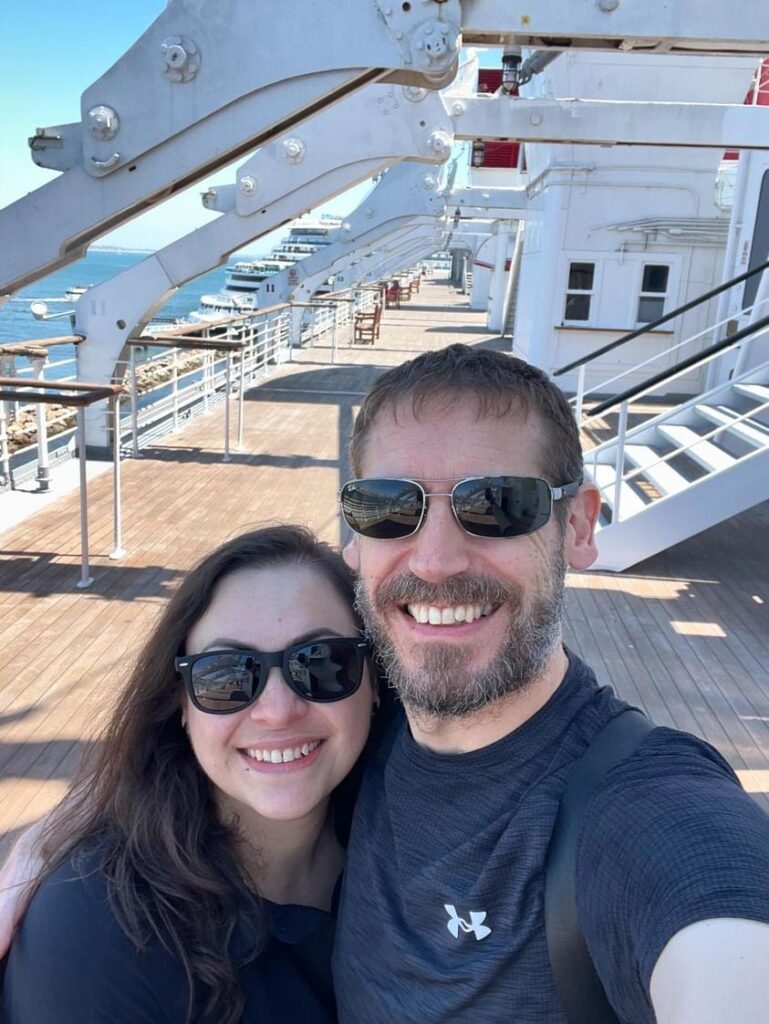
513, 586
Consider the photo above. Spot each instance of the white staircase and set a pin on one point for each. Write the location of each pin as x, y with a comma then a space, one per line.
683, 471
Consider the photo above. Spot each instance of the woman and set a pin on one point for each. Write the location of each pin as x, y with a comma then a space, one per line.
190, 873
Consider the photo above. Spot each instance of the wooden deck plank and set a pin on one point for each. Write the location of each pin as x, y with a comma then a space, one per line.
65, 649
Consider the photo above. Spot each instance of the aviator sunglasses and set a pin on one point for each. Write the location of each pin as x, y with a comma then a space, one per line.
321, 671
387, 508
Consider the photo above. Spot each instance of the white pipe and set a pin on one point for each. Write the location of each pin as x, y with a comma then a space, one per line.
85, 580
134, 403
118, 550
227, 380
620, 462
241, 397
175, 385
43, 462
5, 461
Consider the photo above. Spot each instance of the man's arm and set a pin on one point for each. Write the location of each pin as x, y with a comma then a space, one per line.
713, 972
16, 878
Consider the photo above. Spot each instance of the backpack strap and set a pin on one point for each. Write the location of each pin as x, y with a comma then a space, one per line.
577, 984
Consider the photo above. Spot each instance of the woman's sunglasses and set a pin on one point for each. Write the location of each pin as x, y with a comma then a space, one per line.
485, 506
322, 671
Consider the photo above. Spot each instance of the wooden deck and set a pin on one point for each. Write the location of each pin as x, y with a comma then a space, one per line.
684, 635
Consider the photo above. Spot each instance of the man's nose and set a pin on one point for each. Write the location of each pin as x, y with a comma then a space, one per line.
439, 549
277, 705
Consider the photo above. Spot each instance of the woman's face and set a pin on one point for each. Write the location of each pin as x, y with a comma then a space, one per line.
267, 610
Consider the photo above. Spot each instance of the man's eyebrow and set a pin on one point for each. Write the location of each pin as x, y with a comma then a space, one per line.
241, 645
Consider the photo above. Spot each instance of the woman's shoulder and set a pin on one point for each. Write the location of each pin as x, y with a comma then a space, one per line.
71, 938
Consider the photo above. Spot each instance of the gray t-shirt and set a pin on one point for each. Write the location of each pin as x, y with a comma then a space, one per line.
441, 919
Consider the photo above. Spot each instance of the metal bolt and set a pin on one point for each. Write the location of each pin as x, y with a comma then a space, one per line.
180, 58
247, 185
457, 108
535, 119
414, 93
440, 143
103, 123
608, 5
208, 198
294, 150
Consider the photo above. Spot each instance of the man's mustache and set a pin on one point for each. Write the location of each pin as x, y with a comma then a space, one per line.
470, 588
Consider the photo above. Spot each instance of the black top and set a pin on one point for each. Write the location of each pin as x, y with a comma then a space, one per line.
444, 882
71, 963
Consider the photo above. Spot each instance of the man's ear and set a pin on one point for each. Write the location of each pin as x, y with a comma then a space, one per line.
580, 550
351, 553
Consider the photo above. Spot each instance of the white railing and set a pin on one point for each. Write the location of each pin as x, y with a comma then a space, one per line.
583, 393
191, 383
620, 440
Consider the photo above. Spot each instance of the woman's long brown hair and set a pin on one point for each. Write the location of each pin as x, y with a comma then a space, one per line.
141, 800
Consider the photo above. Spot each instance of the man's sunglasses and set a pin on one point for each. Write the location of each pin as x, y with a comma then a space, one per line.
485, 506
322, 671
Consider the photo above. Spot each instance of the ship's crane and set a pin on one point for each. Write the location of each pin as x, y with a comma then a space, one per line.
282, 180
206, 83
406, 198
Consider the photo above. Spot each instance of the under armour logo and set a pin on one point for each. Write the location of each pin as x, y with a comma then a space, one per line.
476, 925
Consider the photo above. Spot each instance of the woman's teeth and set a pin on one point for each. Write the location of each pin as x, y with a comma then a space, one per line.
283, 756
428, 613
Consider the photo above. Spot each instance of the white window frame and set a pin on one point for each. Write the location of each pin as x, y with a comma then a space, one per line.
640, 294
566, 291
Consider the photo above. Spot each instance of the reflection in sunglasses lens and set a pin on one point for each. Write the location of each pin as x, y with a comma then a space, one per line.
325, 670
223, 681
383, 509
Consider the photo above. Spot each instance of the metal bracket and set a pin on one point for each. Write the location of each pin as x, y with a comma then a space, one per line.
428, 44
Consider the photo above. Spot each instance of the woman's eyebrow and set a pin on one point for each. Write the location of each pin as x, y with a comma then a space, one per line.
241, 645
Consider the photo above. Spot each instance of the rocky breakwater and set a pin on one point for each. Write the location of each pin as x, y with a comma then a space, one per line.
22, 428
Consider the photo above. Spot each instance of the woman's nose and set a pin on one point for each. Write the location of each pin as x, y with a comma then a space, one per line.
277, 704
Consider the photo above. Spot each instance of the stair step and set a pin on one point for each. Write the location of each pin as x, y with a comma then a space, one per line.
666, 479
748, 430
758, 392
604, 476
707, 454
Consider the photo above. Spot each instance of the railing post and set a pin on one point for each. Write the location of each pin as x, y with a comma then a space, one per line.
85, 580
333, 334
619, 465
134, 404
175, 385
241, 398
227, 381
117, 531
206, 380
5, 459
43, 462
580, 394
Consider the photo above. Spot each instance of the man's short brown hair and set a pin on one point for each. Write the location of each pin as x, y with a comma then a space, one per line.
500, 384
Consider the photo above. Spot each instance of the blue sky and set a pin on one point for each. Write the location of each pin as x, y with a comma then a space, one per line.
50, 52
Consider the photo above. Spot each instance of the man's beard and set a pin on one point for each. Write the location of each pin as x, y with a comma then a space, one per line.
440, 686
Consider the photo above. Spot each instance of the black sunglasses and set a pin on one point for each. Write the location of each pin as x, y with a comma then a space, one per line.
386, 508
322, 671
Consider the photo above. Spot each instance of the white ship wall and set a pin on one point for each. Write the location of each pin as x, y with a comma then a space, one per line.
581, 197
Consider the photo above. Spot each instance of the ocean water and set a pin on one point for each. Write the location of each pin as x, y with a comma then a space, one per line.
17, 323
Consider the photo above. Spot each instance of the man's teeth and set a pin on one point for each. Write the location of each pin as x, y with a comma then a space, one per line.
448, 616
283, 756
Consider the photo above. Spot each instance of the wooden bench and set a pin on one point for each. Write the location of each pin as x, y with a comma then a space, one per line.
366, 326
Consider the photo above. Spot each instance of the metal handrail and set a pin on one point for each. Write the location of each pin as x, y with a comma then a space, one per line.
674, 371
662, 320
718, 429
668, 351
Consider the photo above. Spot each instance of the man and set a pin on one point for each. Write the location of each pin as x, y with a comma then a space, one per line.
468, 507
